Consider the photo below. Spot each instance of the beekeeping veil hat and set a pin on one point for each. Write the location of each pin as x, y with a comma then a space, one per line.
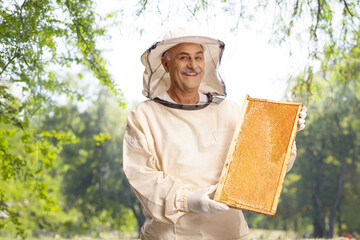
156, 80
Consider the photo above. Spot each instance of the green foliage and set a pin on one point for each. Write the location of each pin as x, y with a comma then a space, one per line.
34, 213
81, 164
24, 159
332, 30
93, 182
101, 137
328, 156
37, 37
86, 190
326, 29
321, 193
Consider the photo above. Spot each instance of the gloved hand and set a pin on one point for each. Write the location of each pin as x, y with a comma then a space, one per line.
200, 202
302, 116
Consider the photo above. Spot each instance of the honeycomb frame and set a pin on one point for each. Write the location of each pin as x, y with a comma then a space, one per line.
256, 185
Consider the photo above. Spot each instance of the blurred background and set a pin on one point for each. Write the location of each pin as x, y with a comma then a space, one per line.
70, 72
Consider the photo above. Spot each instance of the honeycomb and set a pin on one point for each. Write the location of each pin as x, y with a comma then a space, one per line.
255, 166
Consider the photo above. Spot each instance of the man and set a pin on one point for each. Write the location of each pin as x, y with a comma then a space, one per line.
176, 143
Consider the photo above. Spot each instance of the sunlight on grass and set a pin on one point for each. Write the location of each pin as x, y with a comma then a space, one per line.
254, 234
261, 234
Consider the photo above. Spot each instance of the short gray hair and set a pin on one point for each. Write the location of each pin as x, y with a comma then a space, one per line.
166, 54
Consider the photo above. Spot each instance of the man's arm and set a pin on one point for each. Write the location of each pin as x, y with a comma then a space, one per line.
162, 196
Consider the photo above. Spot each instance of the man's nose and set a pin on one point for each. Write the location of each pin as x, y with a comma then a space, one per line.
192, 63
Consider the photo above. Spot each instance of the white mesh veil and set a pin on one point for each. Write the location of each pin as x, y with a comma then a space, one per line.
156, 80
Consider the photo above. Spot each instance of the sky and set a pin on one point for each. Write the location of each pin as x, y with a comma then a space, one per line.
250, 64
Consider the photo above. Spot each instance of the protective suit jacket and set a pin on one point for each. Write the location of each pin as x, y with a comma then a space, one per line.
169, 152
171, 149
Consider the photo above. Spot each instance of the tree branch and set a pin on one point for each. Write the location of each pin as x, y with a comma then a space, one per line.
296, 7
143, 6
10, 60
17, 43
347, 8
317, 18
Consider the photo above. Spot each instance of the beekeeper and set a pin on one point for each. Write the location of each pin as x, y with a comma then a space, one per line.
176, 142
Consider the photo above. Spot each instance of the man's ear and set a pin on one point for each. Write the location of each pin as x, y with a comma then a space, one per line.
165, 63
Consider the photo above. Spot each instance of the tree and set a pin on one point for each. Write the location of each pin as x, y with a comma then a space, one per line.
37, 37
330, 151
321, 193
328, 28
93, 180
41, 37
328, 158
86, 180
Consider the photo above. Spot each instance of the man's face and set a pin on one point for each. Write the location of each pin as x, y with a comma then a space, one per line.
186, 66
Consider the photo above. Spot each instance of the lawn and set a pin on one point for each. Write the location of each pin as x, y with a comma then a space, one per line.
255, 234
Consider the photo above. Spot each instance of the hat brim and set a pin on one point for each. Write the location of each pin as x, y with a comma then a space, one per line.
160, 47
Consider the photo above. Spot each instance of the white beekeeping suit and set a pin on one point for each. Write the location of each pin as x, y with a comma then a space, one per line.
172, 150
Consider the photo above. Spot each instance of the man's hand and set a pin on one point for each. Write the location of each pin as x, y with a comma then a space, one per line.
200, 202
302, 116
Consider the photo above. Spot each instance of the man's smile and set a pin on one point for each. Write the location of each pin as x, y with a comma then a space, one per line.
191, 72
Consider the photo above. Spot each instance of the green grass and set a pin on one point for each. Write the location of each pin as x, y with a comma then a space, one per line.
254, 234
261, 234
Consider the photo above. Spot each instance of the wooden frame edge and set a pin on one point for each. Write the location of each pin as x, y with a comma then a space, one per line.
231, 148
286, 162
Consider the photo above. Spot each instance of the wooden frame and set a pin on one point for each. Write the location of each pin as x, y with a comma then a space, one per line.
256, 164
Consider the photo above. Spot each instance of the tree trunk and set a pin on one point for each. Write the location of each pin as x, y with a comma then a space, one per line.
284, 227
339, 222
335, 204
337, 142
319, 228
318, 219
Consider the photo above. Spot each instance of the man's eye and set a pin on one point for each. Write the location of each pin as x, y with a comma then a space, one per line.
198, 58
183, 58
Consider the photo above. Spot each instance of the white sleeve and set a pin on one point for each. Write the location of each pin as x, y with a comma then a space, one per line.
162, 196
292, 157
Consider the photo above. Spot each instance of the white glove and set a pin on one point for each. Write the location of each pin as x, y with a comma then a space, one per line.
200, 202
302, 116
